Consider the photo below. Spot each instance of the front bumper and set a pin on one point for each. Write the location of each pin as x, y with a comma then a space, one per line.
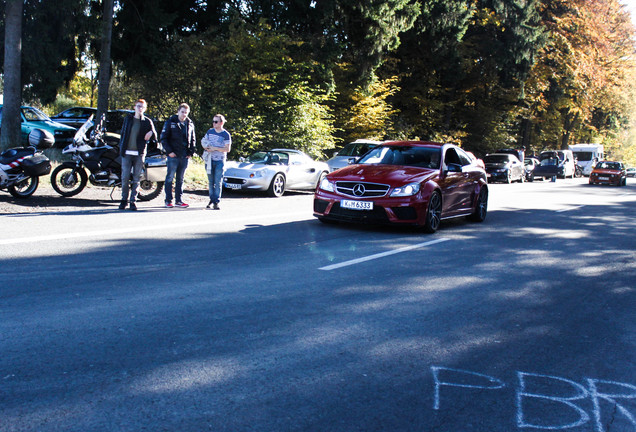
609, 179
246, 183
497, 175
386, 210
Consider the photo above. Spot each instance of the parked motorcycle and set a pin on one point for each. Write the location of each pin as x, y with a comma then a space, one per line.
578, 171
103, 163
21, 167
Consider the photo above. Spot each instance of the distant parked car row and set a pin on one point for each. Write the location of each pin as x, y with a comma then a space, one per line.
75, 117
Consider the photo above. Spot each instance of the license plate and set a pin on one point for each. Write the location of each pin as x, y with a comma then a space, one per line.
232, 186
603, 178
356, 205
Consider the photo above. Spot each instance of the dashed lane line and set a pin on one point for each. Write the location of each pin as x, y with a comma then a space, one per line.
382, 255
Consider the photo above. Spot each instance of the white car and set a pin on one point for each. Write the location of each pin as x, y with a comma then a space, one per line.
274, 171
353, 150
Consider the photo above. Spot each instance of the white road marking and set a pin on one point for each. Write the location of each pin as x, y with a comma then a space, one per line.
138, 229
570, 208
381, 255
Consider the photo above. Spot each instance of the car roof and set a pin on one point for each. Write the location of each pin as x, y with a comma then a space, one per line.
411, 143
286, 150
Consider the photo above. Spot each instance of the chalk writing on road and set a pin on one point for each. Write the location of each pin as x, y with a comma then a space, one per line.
560, 394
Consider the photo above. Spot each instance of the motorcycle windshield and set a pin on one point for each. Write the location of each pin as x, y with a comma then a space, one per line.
80, 135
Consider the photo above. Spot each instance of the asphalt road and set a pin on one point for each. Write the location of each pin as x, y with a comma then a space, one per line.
260, 318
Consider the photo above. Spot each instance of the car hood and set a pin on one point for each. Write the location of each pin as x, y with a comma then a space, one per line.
391, 174
248, 166
496, 165
607, 171
50, 125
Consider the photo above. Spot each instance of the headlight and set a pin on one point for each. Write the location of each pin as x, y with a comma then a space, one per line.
408, 190
326, 185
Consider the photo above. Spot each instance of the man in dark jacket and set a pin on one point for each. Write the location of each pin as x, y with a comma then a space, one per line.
178, 140
135, 133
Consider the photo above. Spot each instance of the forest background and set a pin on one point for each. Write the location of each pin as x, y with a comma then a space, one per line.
315, 74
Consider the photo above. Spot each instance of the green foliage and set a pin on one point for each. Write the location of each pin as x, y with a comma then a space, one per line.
308, 74
50, 33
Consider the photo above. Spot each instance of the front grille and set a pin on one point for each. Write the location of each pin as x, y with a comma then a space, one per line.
232, 180
377, 215
361, 189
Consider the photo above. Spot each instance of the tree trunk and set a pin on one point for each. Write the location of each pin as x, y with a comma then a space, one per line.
105, 60
11, 119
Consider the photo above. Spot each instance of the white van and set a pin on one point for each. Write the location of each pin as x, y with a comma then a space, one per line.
588, 155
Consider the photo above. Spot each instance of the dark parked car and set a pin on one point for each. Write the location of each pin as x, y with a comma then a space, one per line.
504, 167
33, 118
77, 116
74, 117
610, 173
405, 182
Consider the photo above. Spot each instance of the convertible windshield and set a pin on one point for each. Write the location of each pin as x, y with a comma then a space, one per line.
424, 157
499, 159
269, 158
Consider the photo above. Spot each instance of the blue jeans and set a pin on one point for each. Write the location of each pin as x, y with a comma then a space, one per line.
176, 166
214, 180
128, 163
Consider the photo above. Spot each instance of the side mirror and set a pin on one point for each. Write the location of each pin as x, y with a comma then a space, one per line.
241, 159
453, 168
335, 154
351, 161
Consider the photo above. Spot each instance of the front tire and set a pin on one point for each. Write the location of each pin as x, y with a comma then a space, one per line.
149, 190
433, 213
277, 186
68, 181
24, 188
481, 207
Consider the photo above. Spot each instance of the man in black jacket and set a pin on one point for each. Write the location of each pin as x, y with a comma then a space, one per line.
178, 140
135, 133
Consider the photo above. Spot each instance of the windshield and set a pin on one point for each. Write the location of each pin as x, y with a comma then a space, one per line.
423, 157
584, 156
551, 155
499, 159
81, 132
32, 114
608, 165
269, 158
355, 149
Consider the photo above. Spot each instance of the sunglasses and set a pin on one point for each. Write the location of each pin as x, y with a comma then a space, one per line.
216, 121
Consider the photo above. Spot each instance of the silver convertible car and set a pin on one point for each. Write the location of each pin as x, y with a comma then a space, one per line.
274, 171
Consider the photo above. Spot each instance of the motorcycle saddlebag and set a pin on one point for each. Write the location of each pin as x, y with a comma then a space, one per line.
36, 166
156, 168
41, 139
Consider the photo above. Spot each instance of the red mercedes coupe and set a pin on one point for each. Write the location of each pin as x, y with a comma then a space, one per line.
405, 182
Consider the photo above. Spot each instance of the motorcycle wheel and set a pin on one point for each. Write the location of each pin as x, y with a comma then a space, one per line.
24, 188
68, 181
149, 190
